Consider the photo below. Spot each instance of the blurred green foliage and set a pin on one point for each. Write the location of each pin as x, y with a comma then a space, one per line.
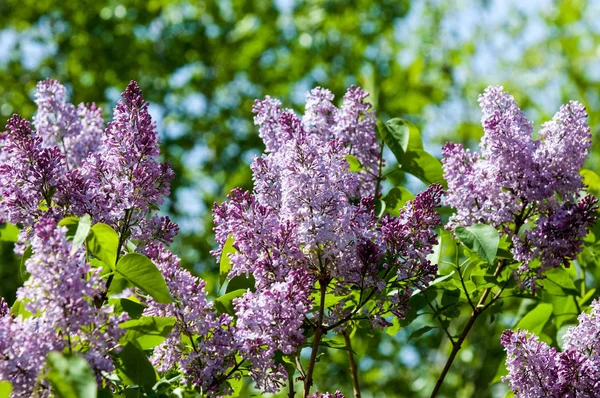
202, 63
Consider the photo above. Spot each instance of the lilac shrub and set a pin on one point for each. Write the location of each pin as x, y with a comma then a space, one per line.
308, 234
527, 188
537, 370
309, 252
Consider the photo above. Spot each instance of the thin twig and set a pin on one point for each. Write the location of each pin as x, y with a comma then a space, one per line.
437, 315
353, 367
308, 380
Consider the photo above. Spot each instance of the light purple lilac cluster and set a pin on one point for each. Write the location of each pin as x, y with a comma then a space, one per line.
202, 343
310, 222
60, 314
336, 394
537, 370
516, 180
71, 165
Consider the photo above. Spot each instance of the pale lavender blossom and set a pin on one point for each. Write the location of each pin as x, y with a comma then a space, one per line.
532, 365
29, 174
76, 131
202, 343
123, 180
585, 337
310, 219
336, 394
270, 320
537, 370
516, 179
564, 145
59, 296
70, 165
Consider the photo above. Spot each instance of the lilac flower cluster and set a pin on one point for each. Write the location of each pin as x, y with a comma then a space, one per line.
60, 313
271, 320
77, 131
310, 220
70, 165
537, 370
202, 343
336, 394
516, 179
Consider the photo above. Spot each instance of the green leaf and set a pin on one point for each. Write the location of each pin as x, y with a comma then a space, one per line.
481, 238
134, 369
450, 297
420, 332
424, 166
404, 140
147, 332
103, 243
26, 256
71, 223
224, 304
241, 282
236, 385
354, 163
379, 208
225, 263
591, 181
558, 281
9, 232
400, 136
395, 328
336, 345
501, 371
484, 281
83, 228
133, 308
396, 198
588, 295
535, 319
18, 308
564, 309
71, 376
5, 389
331, 300
141, 271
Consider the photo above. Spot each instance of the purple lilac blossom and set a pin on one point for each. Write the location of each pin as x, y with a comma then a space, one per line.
75, 130
409, 239
59, 299
271, 320
336, 394
310, 219
29, 174
202, 343
537, 370
516, 179
70, 165
124, 179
